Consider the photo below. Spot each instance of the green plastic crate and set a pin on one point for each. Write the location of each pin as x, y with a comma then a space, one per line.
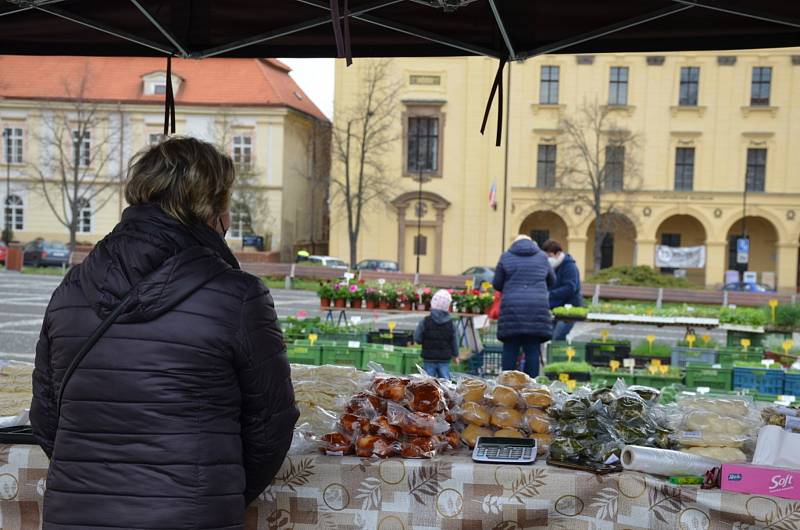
410, 362
657, 381
304, 354
557, 351
608, 378
735, 337
342, 356
705, 375
391, 360
727, 356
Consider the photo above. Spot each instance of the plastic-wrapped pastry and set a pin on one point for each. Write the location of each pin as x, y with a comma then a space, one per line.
537, 421
504, 396
381, 427
472, 390
472, 432
353, 424
733, 407
711, 422
451, 438
336, 444
370, 445
392, 388
513, 379
475, 413
711, 439
543, 442
506, 418
419, 447
537, 397
509, 433
726, 455
365, 404
425, 396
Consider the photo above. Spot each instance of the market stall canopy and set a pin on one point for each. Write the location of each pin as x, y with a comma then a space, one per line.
515, 29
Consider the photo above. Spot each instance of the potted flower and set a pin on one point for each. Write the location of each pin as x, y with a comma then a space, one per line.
373, 297
341, 293
325, 293
485, 301
425, 298
356, 295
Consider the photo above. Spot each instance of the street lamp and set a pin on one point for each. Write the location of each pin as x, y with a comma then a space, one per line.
419, 209
7, 202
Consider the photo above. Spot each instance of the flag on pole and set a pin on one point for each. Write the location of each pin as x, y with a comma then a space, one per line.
493, 196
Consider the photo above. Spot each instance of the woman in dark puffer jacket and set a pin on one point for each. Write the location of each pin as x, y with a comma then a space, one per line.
183, 411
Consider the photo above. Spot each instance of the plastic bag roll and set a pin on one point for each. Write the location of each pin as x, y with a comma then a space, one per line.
665, 462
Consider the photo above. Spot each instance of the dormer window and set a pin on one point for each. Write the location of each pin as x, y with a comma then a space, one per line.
155, 83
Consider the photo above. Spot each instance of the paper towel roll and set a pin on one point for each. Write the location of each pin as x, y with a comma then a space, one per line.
665, 462
776, 447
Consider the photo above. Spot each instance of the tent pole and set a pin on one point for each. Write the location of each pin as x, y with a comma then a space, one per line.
742, 13
29, 7
160, 28
512, 56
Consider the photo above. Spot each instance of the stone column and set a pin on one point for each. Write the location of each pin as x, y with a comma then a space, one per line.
786, 266
576, 246
645, 252
716, 263
401, 237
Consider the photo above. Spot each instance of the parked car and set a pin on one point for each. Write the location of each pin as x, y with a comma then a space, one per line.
481, 274
748, 287
3, 252
327, 261
41, 253
377, 265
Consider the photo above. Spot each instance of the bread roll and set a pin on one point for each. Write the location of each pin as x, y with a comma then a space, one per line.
537, 421
506, 418
504, 396
472, 432
472, 390
543, 442
509, 433
475, 413
513, 378
537, 397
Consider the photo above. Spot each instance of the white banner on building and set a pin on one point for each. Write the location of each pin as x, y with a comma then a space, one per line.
680, 257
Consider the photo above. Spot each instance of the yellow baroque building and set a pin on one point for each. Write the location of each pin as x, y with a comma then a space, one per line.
704, 121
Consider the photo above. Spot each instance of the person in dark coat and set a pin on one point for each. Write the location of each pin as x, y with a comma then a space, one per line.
523, 275
567, 289
436, 333
183, 411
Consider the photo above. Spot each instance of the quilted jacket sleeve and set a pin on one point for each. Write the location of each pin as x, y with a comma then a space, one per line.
44, 413
268, 408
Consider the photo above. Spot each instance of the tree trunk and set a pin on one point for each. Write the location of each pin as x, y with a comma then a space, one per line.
597, 251
353, 248
72, 238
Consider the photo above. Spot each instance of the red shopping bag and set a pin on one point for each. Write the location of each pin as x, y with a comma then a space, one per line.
494, 311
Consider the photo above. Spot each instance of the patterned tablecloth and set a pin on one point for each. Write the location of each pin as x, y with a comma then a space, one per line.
449, 493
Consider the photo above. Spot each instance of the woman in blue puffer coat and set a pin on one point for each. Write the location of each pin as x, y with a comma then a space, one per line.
524, 276
567, 289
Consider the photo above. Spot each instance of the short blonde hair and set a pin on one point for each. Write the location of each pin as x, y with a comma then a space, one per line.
190, 179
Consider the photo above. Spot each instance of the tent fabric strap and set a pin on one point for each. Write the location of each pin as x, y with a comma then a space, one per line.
169, 102
341, 31
497, 87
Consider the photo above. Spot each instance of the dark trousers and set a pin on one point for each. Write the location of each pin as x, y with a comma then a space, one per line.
527, 343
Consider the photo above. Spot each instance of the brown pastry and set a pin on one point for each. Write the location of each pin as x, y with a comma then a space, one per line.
472, 432
419, 447
537, 397
336, 443
367, 446
365, 404
537, 421
472, 390
392, 388
381, 427
506, 418
417, 424
509, 433
475, 413
425, 396
504, 396
353, 424
513, 379
451, 438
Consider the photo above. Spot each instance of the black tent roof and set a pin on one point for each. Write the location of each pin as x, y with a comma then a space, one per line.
303, 28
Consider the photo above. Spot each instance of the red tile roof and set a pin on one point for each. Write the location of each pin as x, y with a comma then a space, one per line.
233, 82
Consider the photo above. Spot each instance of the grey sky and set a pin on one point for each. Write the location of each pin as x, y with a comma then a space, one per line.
315, 77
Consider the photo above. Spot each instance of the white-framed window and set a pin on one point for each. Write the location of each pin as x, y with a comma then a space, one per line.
84, 210
242, 146
82, 147
13, 138
240, 222
14, 213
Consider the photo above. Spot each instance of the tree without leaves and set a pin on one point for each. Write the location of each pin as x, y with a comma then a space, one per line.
72, 174
362, 136
597, 167
315, 171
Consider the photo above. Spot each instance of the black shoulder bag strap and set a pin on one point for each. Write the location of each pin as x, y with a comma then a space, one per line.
91, 341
